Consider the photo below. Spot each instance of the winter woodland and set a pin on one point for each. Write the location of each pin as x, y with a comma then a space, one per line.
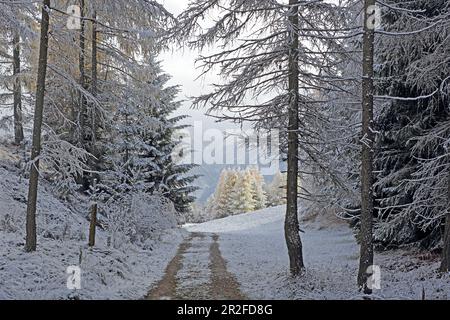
358, 91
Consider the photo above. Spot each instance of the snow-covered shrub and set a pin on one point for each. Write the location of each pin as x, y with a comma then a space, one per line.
276, 190
54, 219
200, 212
8, 223
61, 162
139, 218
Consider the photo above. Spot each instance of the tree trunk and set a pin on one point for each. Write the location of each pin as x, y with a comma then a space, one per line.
82, 111
83, 179
18, 127
367, 201
445, 263
291, 226
94, 78
92, 225
37, 129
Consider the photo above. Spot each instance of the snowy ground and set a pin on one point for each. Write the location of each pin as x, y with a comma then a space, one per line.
239, 256
253, 245
106, 273
199, 272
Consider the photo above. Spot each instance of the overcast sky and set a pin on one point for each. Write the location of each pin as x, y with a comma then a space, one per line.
181, 66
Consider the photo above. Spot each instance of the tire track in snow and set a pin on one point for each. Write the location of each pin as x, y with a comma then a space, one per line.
225, 285
198, 271
166, 288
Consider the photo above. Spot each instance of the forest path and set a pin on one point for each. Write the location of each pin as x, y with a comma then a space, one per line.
257, 263
197, 272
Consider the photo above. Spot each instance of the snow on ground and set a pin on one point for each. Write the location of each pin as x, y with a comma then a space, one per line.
196, 258
254, 246
107, 273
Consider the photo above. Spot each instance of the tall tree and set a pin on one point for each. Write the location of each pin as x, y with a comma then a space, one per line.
258, 188
291, 226
18, 33
37, 129
82, 112
18, 121
94, 77
222, 205
259, 57
413, 161
241, 196
367, 140
140, 151
445, 262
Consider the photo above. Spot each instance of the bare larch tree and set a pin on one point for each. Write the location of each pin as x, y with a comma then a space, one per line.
37, 129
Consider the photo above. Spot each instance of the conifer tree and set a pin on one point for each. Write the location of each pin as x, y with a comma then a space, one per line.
276, 190
242, 199
258, 190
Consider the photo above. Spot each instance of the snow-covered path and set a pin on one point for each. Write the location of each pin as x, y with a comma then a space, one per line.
198, 271
253, 245
254, 249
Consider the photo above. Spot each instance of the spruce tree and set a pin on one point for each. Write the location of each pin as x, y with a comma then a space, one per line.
412, 157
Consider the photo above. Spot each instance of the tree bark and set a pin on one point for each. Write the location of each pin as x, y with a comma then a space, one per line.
445, 262
367, 201
18, 126
291, 226
30, 244
93, 225
82, 112
83, 179
94, 78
